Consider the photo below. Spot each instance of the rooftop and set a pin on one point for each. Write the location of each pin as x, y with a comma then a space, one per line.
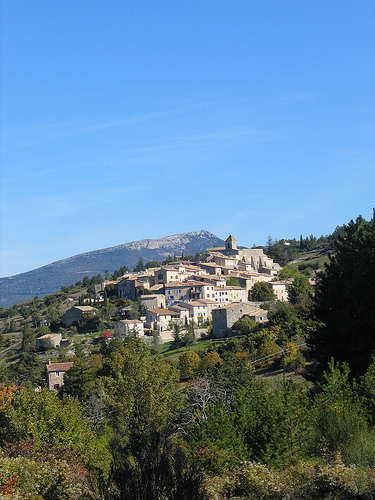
59, 367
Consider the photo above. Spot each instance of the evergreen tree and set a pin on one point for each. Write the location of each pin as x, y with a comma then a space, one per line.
300, 288
140, 265
345, 299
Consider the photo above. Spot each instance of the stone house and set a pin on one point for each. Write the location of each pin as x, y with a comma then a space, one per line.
211, 267
221, 295
197, 311
129, 327
210, 304
236, 294
176, 292
152, 301
167, 274
74, 314
182, 311
48, 341
280, 289
55, 374
259, 315
126, 287
160, 319
225, 261
225, 317
248, 279
210, 279
201, 290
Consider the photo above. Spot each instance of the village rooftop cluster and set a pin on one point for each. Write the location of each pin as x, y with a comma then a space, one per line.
184, 291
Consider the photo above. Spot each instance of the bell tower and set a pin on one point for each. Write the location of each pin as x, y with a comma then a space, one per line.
230, 244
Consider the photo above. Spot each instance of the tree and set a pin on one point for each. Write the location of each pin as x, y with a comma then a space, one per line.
89, 321
141, 393
268, 352
260, 292
78, 380
232, 281
27, 369
283, 317
43, 330
288, 271
140, 265
35, 317
189, 362
245, 325
176, 327
45, 419
188, 339
344, 300
299, 288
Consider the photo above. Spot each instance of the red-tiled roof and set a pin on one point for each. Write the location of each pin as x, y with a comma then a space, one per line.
59, 367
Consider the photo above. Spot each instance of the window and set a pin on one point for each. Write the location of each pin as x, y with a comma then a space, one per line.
57, 374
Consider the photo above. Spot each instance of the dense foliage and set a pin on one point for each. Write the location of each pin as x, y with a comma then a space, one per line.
229, 420
345, 298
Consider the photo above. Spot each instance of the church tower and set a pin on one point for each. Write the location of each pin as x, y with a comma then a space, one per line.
230, 244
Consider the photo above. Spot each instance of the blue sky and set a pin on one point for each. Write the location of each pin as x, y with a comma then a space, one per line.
128, 120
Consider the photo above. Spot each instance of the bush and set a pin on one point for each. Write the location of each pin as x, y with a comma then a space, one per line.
189, 362
268, 352
334, 481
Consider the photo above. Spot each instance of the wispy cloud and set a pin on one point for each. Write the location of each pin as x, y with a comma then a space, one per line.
52, 132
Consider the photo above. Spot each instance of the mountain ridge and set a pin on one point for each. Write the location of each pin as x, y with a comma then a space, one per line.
64, 272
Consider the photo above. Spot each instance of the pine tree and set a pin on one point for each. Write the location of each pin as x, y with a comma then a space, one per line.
345, 298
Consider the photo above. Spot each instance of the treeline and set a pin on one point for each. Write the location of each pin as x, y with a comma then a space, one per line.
284, 251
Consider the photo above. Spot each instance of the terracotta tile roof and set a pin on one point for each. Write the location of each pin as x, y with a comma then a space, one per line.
194, 303
159, 286
129, 321
197, 283
59, 367
163, 312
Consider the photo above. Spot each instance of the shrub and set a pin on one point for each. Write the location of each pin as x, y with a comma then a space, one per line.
189, 362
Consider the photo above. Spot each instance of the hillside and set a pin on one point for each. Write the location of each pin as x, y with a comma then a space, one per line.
50, 278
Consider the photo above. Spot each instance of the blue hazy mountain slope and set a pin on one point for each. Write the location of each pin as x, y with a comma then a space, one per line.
52, 277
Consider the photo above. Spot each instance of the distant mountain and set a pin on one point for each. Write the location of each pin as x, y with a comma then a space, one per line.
50, 278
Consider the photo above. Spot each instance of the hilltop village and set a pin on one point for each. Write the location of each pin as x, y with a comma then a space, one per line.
185, 291
220, 375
